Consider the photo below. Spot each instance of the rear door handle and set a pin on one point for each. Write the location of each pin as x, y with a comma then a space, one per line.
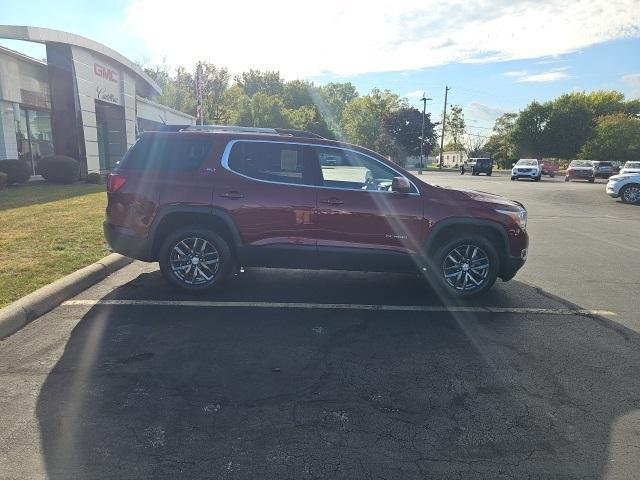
232, 195
332, 201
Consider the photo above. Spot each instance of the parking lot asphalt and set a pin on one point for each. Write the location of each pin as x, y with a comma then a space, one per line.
293, 374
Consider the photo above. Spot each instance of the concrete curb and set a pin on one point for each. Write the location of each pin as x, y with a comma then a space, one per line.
19, 313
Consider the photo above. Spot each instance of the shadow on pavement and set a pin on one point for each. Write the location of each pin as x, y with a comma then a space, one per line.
178, 392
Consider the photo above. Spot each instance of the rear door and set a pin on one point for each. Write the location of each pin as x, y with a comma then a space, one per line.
267, 188
362, 224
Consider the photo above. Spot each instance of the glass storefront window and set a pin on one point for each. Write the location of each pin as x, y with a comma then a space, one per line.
34, 136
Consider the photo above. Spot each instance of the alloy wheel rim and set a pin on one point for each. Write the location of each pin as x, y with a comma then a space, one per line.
632, 194
194, 261
466, 267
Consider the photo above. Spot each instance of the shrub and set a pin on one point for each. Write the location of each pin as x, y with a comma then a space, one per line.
93, 177
18, 171
59, 169
4, 180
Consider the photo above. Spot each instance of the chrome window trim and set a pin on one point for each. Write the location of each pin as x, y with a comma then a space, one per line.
227, 151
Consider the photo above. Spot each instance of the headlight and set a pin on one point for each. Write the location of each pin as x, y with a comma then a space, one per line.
519, 216
618, 179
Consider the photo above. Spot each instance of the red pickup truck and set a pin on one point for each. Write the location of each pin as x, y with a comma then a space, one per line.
549, 166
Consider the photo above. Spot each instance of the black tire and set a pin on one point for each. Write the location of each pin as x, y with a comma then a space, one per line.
441, 263
627, 194
552, 175
592, 180
169, 257
567, 179
537, 179
513, 178
489, 174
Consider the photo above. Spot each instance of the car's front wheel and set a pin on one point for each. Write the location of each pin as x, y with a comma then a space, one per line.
465, 267
567, 179
630, 194
195, 259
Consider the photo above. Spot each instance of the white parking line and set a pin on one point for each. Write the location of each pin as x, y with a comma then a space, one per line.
342, 306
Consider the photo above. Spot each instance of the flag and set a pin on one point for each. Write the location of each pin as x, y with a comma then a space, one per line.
199, 119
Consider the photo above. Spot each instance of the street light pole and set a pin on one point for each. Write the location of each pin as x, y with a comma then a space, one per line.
424, 110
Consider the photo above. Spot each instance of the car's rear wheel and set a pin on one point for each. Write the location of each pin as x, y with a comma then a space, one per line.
567, 179
195, 259
630, 194
592, 180
465, 267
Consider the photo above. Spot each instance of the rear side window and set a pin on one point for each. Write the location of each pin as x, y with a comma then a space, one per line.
167, 152
273, 162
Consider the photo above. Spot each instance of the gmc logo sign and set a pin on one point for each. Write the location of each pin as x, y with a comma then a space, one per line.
105, 72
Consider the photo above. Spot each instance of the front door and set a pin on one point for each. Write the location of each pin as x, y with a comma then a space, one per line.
362, 224
267, 189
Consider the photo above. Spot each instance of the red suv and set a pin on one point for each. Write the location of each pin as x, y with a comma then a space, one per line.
204, 201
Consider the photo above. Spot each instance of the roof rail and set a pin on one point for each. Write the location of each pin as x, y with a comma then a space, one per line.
297, 133
229, 128
290, 132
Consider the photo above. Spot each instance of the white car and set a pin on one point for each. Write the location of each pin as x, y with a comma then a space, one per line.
527, 168
630, 167
627, 187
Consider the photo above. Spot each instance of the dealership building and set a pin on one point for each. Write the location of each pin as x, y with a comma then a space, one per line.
85, 101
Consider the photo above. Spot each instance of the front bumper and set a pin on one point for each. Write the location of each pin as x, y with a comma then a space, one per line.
612, 191
525, 174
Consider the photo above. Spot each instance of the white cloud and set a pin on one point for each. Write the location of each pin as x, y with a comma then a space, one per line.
632, 80
483, 113
550, 76
303, 39
414, 94
515, 74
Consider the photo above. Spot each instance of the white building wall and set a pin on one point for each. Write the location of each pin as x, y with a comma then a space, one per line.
83, 65
128, 88
8, 145
160, 114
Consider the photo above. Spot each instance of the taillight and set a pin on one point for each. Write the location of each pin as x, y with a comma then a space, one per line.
115, 181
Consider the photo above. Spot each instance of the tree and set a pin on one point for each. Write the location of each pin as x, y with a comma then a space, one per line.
299, 93
256, 81
455, 128
215, 82
616, 137
500, 144
475, 146
404, 127
569, 124
528, 130
267, 111
363, 118
331, 100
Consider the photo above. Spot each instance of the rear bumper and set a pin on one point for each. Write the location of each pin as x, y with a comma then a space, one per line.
124, 241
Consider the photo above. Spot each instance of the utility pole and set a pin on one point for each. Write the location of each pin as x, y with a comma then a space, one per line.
444, 120
424, 111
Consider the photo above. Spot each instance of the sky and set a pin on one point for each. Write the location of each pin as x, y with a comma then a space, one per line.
496, 56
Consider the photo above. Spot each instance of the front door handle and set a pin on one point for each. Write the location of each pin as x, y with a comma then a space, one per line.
332, 201
232, 195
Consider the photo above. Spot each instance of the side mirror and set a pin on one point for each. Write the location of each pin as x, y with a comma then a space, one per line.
513, 164
400, 185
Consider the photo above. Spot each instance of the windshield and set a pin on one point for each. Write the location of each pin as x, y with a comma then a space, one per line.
581, 163
632, 165
527, 163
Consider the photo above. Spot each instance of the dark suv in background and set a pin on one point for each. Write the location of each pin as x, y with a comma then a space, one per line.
482, 165
204, 201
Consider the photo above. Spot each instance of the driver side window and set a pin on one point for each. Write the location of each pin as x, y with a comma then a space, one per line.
353, 171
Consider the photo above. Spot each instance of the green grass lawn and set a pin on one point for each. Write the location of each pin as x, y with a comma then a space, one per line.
47, 232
